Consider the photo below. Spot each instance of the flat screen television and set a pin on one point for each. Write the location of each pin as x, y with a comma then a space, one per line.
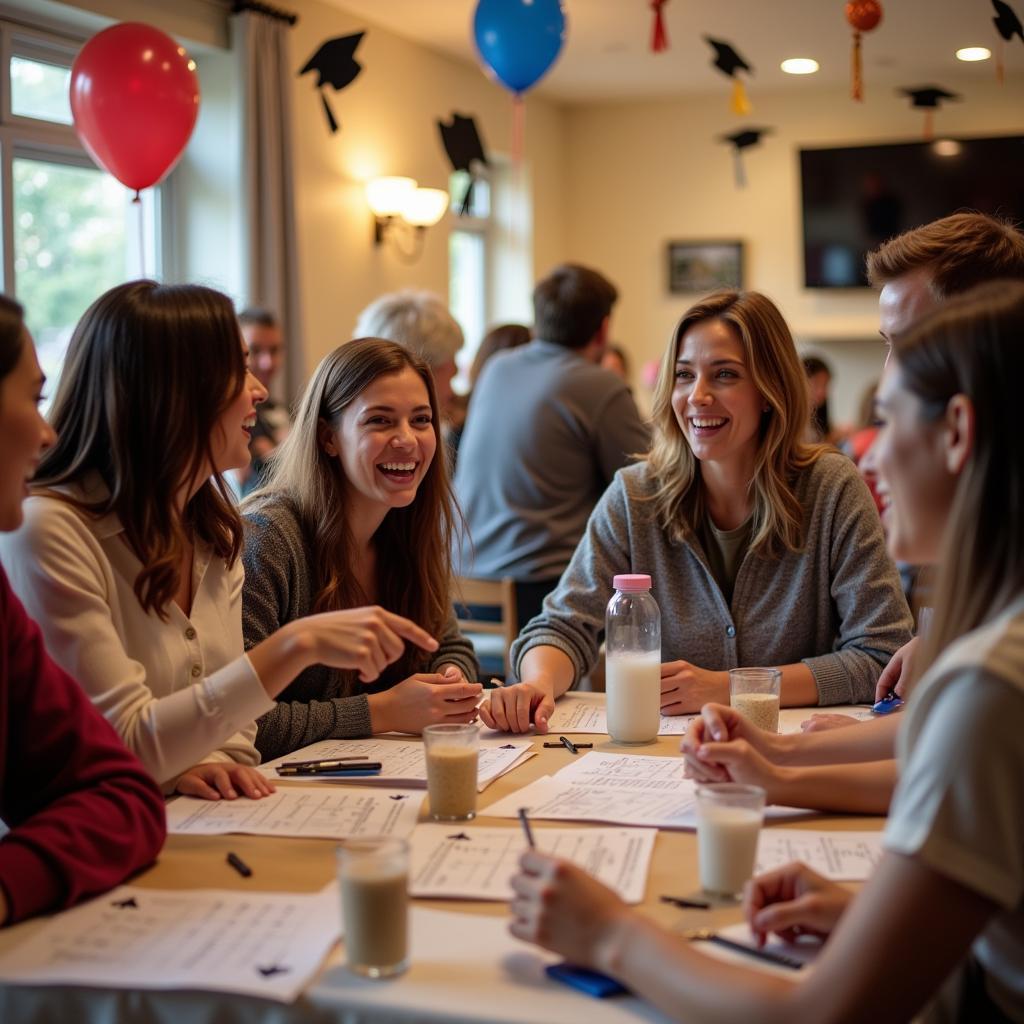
857, 197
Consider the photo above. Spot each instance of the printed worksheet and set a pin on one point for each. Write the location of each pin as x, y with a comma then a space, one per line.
472, 862
403, 762
314, 811
627, 771
573, 715
840, 856
260, 944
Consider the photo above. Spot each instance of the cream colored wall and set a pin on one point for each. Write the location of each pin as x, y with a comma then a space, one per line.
643, 173
387, 119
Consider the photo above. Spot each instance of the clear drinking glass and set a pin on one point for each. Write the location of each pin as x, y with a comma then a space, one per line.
374, 877
729, 819
452, 753
754, 693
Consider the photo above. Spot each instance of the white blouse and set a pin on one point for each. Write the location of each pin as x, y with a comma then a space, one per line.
178, 692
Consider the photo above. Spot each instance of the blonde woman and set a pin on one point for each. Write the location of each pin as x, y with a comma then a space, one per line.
358, 511
764, 549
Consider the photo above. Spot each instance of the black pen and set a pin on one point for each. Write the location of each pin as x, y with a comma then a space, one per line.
525, 822
568, 744
355, 768
239, 865
680, 901
578, 746
706, 935
330, 762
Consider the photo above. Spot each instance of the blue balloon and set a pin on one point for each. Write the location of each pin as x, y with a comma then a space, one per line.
519, 39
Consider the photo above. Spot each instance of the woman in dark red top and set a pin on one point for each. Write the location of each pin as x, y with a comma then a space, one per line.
82, 812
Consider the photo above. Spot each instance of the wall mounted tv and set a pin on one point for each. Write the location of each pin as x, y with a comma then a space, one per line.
857, 197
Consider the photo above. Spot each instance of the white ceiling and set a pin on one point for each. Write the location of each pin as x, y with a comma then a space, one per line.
607, 53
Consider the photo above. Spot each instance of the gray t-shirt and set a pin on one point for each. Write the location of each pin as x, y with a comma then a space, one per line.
959, 805
545, 432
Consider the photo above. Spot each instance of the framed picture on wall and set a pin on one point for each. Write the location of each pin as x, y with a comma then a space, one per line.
699, 267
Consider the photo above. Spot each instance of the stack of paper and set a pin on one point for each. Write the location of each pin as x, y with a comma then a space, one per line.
578, 715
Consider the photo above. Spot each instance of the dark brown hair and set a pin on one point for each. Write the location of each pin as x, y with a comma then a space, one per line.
497, 339
570, 304
12, 334
974, 346
148, 373
413, 544
958, 252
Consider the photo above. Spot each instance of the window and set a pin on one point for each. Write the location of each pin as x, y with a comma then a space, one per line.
73, 229
468, 267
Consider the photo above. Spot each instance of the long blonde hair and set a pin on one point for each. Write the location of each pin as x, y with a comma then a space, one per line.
974, 346
776, 371
413, 544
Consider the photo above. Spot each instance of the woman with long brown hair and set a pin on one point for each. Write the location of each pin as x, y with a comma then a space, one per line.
764, 549
950, 458
129, 553
358, 509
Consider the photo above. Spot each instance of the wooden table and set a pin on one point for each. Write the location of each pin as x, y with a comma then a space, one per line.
306, 865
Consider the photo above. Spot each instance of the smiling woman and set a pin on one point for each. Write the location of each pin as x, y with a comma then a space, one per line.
358, 511
764, 550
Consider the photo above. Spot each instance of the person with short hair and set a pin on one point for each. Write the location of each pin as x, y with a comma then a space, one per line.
358, 511
81, 813
763, 549
129, 554
546, 430
951, 466
419, 321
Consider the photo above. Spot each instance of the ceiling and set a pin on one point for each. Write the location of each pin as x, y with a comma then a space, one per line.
607, 53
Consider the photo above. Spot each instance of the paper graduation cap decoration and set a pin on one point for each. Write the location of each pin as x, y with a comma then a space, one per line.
336, 65
928, 97
462, 143
1007, 25
730, 63
740, 141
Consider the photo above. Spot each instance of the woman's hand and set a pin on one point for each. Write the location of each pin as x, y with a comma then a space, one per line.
560, 907
513, 708
896, 674
427, 698
793, 901
828, 720
212, 780
720, 723
685, 688
364, 639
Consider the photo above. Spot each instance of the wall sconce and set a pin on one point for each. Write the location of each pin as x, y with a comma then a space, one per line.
399, 204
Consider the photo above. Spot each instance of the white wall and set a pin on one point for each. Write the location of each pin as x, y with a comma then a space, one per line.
643, 173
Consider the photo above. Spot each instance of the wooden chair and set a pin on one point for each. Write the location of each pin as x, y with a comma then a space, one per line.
486, 610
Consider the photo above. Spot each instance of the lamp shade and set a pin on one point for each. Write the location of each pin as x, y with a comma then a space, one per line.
425, 206
388, 196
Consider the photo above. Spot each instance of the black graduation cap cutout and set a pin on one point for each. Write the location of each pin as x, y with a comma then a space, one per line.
269, 972
336, 65
1007, 25
730, 63
741, 140
462, 143
458, 835
928, 98
128, 904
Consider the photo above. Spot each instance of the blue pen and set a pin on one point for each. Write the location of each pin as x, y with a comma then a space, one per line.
889, 703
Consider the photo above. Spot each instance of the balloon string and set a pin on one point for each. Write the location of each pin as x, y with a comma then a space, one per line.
659, 37
137, 203
518, 127
857, 88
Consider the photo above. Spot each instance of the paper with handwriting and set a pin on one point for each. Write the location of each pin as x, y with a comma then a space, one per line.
840, 856
474, 862
313, 811
403, 762
253, 943
573, 715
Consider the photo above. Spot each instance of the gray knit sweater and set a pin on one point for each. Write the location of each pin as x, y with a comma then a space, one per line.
320, 703
837, 605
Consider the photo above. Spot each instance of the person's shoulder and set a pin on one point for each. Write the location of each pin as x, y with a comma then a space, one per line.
832, 466
49, 513
272, 512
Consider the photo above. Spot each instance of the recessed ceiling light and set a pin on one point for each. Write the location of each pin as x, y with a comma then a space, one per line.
799, 66
946, 147
972, 53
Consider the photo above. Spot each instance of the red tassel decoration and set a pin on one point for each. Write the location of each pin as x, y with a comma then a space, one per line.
659, 37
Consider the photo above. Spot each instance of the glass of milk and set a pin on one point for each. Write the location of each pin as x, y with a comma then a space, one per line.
452, 753
754, 693
373, 873
728, 823
633, 661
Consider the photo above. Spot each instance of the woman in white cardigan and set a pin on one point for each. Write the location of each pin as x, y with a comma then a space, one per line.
128, 556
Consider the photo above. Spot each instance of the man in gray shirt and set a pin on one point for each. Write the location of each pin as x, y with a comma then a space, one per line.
546, 430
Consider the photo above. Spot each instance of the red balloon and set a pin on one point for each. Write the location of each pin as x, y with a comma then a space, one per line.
863, 15
134, 98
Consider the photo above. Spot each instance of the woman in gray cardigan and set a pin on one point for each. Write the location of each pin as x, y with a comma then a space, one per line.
358, 511
764, 549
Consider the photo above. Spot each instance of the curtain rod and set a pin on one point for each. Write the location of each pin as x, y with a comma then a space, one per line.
261, 8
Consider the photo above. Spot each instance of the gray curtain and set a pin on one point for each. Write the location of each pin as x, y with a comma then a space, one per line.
269, 243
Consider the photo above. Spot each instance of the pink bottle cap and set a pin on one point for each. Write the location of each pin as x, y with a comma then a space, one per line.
632, 581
